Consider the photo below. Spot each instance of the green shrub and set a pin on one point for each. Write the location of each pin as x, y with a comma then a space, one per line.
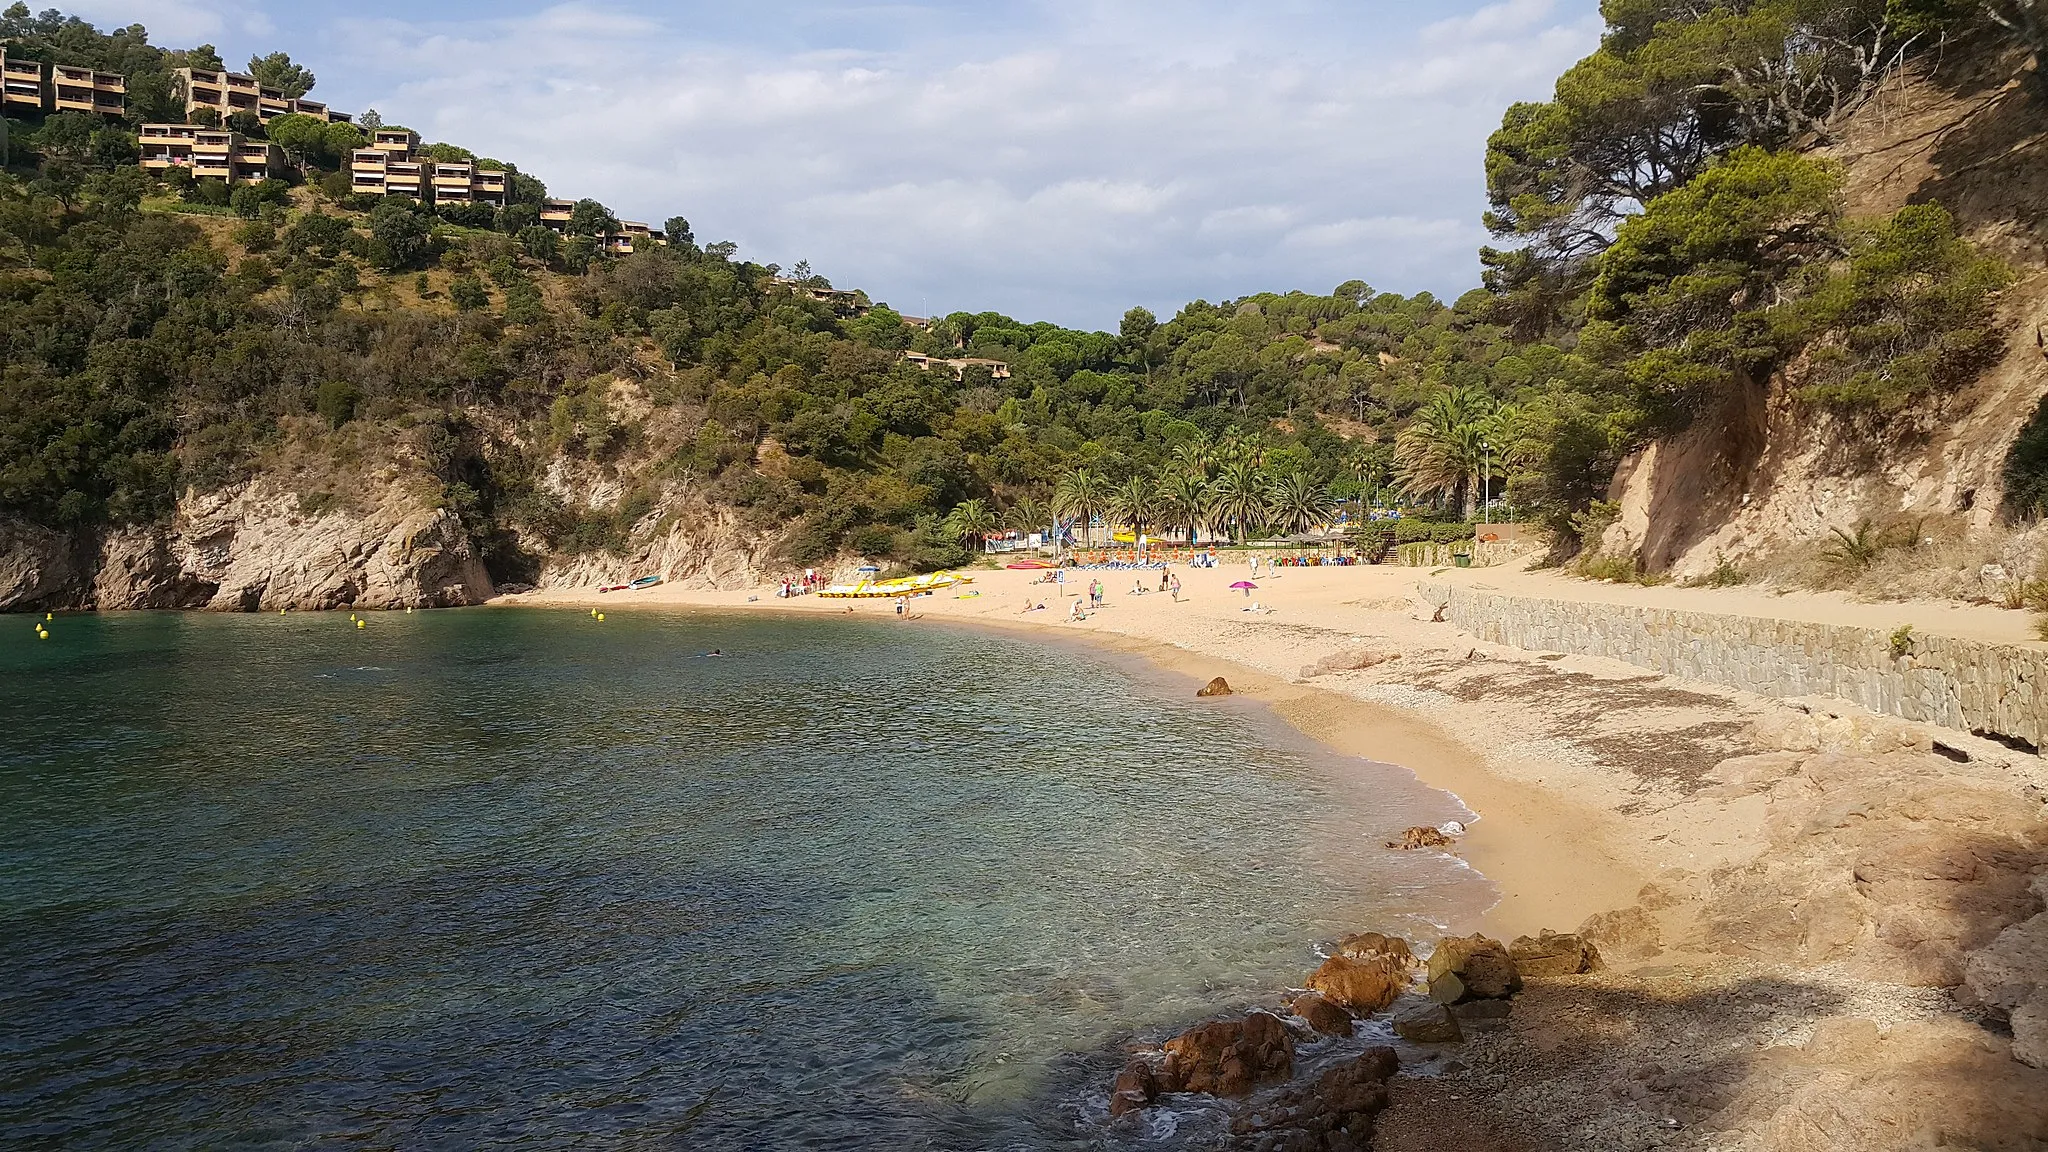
336, 402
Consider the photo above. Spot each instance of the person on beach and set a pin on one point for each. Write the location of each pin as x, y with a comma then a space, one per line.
1176, 589
1074, 611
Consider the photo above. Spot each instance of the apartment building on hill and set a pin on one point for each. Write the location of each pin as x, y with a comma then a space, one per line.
230, 92
27, 88
209, 153
392, 165
21, 84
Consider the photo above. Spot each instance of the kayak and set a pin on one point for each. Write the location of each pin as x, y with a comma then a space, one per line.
646, 582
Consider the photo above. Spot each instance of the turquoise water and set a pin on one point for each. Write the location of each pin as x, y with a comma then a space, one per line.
521, 877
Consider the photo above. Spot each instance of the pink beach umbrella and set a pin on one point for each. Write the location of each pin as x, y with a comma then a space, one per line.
1246, 585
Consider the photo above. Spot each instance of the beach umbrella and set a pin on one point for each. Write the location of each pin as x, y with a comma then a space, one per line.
1246, 585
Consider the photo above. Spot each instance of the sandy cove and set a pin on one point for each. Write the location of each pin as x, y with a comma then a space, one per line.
1816, 927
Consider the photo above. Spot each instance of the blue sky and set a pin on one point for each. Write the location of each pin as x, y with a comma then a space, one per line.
1057, 160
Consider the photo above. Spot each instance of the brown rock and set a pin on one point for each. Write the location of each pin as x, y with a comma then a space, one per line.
1420, 837
1137, 1086
1322, 1014
1553, 954
1625, 933
1361, 987
1217, 687
1447, 989
1369, 946
1333, 1113
1482, 967
1428, 1024
1229, 1057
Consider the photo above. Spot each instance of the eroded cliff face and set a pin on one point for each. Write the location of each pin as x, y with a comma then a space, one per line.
250, 548
1765, 472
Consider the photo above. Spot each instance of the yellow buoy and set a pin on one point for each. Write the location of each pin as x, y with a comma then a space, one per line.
49, 615
280, 611
408, 609
600, 617
42, 635
359, 624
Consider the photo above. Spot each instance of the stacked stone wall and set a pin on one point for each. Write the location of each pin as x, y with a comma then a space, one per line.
1990, 689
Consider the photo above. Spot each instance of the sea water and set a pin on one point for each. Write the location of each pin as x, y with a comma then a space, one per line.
524, 877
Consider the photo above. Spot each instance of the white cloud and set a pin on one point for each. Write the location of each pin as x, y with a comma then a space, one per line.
1085, 156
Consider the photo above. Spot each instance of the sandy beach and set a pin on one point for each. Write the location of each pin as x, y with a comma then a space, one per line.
1697, 833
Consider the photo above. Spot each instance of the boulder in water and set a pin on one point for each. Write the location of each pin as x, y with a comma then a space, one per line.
1229, 1057
1322, 1014
1217, 687
1360, 987
1420, 837
1137, 1086
1369, 947
1333, 1112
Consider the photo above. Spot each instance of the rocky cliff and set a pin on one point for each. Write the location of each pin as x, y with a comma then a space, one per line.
1766, 474
249, 548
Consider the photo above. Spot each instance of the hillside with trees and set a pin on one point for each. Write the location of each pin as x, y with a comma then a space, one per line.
1676, 235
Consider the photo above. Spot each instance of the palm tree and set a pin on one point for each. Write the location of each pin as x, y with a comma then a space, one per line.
1133, 505
1240, 496
970, 522
1195, 454
1183, 502
1027, 515
1443, 450
1298, 504
1081, 494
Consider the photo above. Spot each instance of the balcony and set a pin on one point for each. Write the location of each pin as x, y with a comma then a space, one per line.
203, 96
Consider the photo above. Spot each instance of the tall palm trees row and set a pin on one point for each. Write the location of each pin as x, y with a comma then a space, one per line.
1223, 483
1241, 497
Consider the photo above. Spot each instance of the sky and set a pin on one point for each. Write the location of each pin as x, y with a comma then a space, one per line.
1050, 159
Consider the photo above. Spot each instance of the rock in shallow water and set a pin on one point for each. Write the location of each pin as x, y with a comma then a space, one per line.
1322, 1014
1420, 837
1217, 687
1333, 1113
1360, 987
1229, 1057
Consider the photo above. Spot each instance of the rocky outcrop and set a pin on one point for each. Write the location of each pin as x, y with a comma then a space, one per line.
1554, 954
1217, 687
1420, 837
687, 542
1472, 967
1360, 987
1332, 1113
39, 568
1228, 1057
1428, 1024
1376, 947
1322, 1014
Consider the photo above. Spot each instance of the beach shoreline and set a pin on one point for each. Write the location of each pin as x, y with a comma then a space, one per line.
1554, 861
1795, 901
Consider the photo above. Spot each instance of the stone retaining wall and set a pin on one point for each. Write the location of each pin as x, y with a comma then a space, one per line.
1991, 689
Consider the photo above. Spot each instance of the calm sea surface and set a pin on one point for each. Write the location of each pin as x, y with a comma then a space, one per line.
518, 877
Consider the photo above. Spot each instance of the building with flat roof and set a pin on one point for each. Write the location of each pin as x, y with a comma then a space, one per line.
84, 90
402, 140
22, 87
230, 92
208, 153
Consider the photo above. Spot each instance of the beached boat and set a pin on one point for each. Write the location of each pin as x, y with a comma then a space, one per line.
646, 582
